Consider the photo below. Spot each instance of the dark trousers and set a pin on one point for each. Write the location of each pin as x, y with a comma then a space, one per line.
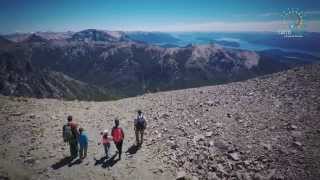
83, 150
106, 149
119, 147
139, 136
73, 148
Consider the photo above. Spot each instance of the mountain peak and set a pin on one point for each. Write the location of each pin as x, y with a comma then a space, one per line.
4, 40
94, 35
34, 38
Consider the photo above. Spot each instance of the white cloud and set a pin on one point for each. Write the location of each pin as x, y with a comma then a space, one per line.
270, 14
313, 26
260, 26
312, 12
275, 14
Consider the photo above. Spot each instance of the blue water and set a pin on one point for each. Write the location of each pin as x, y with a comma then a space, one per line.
194, 39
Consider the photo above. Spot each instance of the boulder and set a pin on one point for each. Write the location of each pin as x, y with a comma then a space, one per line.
165, 116
209, 134
209, 103
234, 156
229, 115
266, 146
298, 144
292, 127
181, 175
198, 137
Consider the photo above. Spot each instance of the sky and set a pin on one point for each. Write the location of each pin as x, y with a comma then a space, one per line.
153, 15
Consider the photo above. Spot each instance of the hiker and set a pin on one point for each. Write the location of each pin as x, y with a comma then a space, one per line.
70, 135
83, 142
118, 136
105, 140
140, 125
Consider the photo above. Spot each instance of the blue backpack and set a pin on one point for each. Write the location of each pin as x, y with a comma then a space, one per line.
140, 123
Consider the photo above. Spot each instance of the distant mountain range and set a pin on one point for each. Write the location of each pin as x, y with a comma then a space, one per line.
307, 43
93, 35
100, 65
153, 37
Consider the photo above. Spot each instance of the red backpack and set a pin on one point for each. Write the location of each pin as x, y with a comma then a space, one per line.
117, 134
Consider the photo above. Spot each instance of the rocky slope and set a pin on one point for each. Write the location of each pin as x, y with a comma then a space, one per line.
4, 41
263, 128
20, 78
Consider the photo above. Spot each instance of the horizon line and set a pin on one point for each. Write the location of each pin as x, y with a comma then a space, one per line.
142, 31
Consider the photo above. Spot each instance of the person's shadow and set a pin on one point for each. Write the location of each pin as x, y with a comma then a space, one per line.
78, 161
106, 163
133, 149
63, 162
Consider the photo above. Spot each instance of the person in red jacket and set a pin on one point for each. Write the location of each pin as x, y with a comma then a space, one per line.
117, 136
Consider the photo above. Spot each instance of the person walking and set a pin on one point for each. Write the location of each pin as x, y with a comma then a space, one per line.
70, 135
117, 136
83, 142
140, 125
105, 141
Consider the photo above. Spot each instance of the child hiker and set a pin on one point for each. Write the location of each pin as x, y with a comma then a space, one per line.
105, 140
83, 142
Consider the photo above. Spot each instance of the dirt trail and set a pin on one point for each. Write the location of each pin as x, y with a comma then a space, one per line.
35, 140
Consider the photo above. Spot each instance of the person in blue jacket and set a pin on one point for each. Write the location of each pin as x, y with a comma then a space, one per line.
83, 142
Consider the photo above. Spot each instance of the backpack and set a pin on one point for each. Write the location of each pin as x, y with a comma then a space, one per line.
117, 134
140, 123
67, 133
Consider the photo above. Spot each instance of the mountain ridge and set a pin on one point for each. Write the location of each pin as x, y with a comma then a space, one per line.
111, 61
21, 78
